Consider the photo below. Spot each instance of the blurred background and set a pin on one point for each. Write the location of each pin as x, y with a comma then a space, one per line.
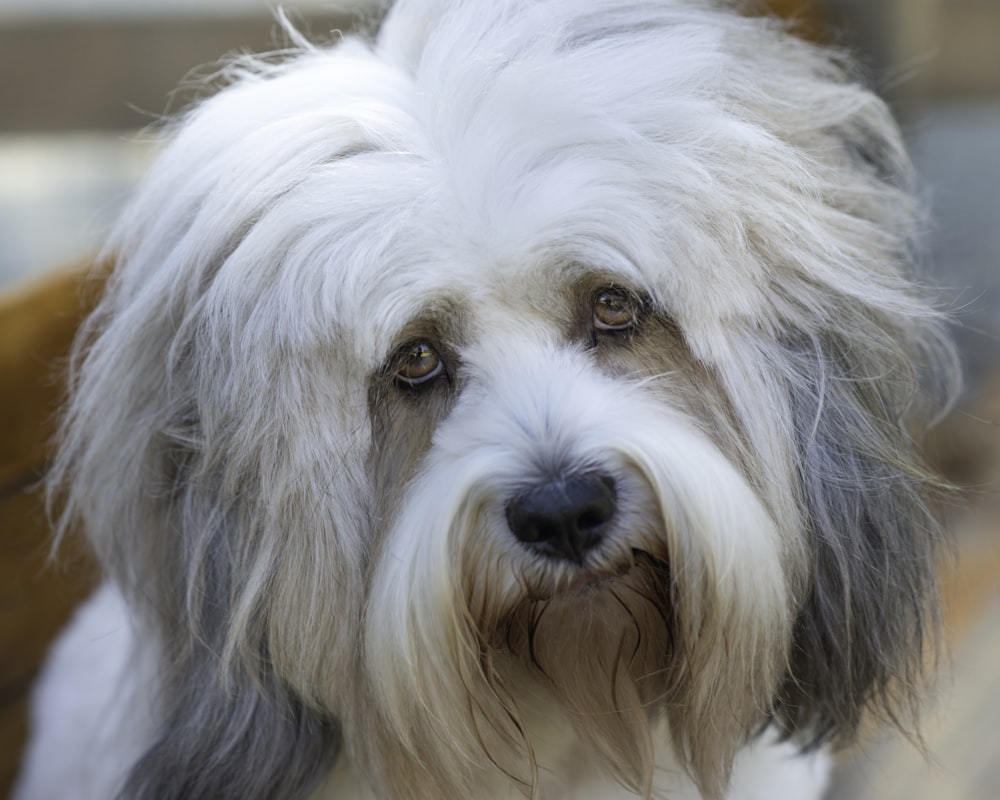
80, 79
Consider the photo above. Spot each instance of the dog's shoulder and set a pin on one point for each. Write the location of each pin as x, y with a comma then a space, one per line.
91, 710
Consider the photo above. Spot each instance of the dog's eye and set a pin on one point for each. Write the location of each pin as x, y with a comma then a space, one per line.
615, 310
418, 364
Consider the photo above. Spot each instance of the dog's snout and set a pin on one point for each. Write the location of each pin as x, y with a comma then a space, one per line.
566, 517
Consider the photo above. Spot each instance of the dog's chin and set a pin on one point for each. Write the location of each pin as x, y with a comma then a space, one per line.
621, 608
601, 642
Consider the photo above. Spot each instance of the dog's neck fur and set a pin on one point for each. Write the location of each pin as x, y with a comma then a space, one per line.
568, 769
564, 770
767, 770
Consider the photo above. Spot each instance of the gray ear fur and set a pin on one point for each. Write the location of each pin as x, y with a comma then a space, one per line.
861, 635
232, 741
219, 719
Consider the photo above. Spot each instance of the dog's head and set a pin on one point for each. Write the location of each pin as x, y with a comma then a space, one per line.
564, 345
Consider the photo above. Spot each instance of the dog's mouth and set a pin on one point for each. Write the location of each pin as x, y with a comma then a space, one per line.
630, 595
598, 640
605, 575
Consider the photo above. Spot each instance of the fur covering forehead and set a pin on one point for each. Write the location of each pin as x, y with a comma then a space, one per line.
324, 553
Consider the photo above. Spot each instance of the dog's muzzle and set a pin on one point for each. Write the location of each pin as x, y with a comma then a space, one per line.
566, 517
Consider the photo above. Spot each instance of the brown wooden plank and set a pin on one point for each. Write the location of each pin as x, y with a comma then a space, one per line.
37, 324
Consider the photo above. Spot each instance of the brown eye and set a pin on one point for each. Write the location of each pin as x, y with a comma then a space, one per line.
615, 310
418, 364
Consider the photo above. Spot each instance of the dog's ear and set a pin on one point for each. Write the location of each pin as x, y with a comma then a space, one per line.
232, 740
862, 633
176, 508
229, 728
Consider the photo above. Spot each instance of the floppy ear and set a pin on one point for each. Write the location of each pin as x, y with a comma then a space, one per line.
167, 498
230, 729
860, 639
231, 740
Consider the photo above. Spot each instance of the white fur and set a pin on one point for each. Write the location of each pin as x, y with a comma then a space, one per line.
89, 716
93, 706
324, 591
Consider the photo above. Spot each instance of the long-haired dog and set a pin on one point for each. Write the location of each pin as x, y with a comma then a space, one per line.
524, 401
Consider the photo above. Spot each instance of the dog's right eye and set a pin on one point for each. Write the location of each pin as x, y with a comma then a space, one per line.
418, 364
615, 311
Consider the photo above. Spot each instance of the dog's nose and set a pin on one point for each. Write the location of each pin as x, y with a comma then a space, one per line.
564, 518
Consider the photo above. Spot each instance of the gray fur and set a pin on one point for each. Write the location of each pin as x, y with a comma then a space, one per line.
214, 730
862, 635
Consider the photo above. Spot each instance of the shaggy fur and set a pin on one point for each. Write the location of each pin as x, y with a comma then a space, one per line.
379, 302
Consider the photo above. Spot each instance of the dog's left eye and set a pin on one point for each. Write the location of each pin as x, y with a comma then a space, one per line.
615, 310
418, 364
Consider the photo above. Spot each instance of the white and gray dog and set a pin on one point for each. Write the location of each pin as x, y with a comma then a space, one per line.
524, 401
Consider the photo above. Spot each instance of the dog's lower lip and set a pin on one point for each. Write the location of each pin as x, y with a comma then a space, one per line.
584, 579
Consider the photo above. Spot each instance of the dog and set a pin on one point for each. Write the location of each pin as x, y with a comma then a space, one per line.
522, 400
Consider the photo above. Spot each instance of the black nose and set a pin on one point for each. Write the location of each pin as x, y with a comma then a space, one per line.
564, 518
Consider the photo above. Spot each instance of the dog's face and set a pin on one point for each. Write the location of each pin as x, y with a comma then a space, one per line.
561, 488
445, 368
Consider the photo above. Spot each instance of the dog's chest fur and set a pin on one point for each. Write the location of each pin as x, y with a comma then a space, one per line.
765, 772
121, 681
568, 770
